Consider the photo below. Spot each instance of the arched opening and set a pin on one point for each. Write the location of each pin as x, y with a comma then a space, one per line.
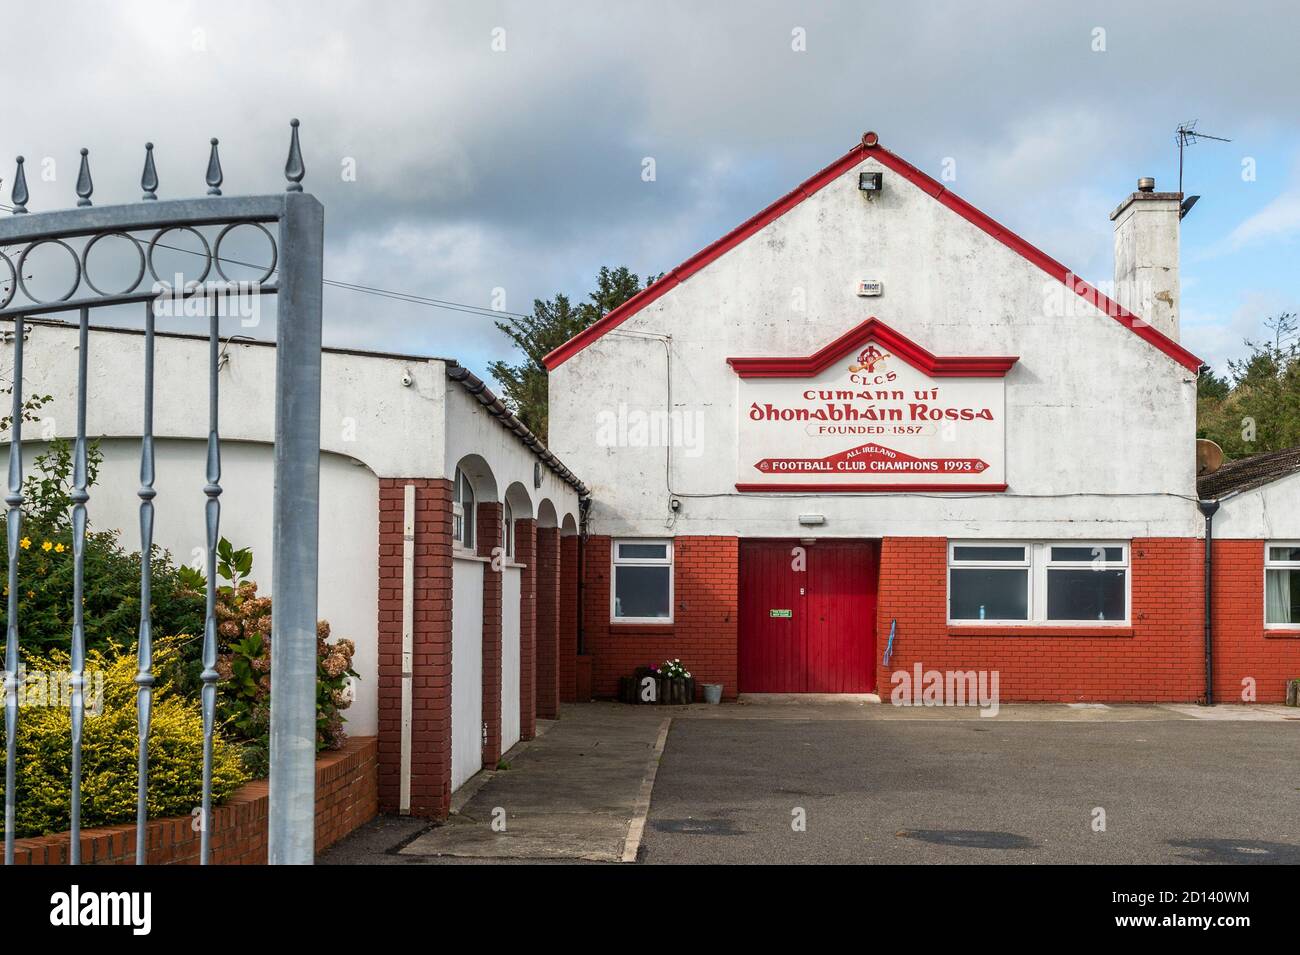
473, 482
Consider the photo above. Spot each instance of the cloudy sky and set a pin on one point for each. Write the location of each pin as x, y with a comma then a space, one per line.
462, 148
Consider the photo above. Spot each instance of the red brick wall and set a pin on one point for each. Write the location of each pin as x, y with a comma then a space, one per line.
548, 623
431, 663
569, 618
1161, 658
703, 632
488, 541
346, 797
526, 554
1242, 647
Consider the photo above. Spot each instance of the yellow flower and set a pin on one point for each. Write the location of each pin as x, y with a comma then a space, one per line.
25, 543
46, 546
59, 548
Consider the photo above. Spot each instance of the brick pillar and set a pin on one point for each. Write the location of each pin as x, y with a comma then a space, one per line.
526, 554
568, 618
548, 623
488, 537
431, 646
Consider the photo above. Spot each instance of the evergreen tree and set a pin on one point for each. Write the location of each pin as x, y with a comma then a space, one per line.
551, 324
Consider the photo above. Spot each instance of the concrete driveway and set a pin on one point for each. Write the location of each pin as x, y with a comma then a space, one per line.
811, 782
1169, 787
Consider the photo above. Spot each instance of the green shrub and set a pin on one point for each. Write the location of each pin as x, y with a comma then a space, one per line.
111, 591
109, 744
244, 662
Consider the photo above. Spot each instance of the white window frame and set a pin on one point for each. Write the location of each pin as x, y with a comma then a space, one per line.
463, 540
1270, 564
1038, 560
616, 561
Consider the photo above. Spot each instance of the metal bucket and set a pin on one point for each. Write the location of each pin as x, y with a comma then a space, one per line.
712, 692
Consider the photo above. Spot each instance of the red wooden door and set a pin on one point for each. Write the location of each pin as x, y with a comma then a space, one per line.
807, 616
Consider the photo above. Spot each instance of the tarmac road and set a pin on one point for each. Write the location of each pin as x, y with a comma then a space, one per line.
976, 791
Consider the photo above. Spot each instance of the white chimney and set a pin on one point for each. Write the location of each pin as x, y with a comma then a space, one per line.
1146, 255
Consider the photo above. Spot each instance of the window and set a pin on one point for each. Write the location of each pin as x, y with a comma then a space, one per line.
1282, 585
1038, 582
462, 512
508, 529
642, 587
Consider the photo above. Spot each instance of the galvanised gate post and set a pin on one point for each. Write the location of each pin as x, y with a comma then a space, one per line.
295, 275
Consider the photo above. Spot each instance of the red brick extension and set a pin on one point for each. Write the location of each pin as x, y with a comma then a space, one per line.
345, 799
569, 618
431, 664
526, 553
1243, 649
703, 632
1159, 658
548, 623
488, 537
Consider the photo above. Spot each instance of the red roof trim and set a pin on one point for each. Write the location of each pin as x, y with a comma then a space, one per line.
702, 258
963, 366
879, 488
927, 185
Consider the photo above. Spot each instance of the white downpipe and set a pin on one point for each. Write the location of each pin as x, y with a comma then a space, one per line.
408, 641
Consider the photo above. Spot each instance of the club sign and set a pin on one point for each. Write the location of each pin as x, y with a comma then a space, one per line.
874, 419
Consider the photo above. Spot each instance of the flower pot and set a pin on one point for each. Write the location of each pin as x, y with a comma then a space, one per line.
1293, 693
712, 693
676, 691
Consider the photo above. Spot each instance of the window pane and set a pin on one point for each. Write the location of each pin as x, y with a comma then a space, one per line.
1085, 595
1282, 596
641, 591
1088, 554
989, 594
1284, 553
988, 553
643, 551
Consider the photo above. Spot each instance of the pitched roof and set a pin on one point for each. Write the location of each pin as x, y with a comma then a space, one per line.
870, 148
1246, 474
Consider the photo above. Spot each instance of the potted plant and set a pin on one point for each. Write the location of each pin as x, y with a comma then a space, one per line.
676, 686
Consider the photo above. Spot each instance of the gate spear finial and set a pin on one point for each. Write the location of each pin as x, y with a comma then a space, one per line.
84, 186
19, 192
149, 178
294, 169
214, 178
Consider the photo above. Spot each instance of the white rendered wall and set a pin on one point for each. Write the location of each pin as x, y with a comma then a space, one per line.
1271, 512
1100, 424
471, 430
466, 670
349, 495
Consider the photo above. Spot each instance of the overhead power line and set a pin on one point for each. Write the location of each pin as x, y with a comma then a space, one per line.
409, 297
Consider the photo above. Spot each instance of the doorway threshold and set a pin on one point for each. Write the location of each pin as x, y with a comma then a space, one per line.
803, 698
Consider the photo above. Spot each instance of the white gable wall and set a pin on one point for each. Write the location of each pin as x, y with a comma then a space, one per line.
1099, 423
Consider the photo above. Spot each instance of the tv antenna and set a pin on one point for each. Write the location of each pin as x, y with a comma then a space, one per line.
1188, 136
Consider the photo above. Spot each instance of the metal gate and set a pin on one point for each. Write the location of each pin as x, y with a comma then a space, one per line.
807, 616
295, 277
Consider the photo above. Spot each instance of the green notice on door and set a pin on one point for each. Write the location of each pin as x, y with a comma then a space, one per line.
780, 613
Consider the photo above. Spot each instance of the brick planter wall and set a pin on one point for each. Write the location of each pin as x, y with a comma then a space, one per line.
346, 797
